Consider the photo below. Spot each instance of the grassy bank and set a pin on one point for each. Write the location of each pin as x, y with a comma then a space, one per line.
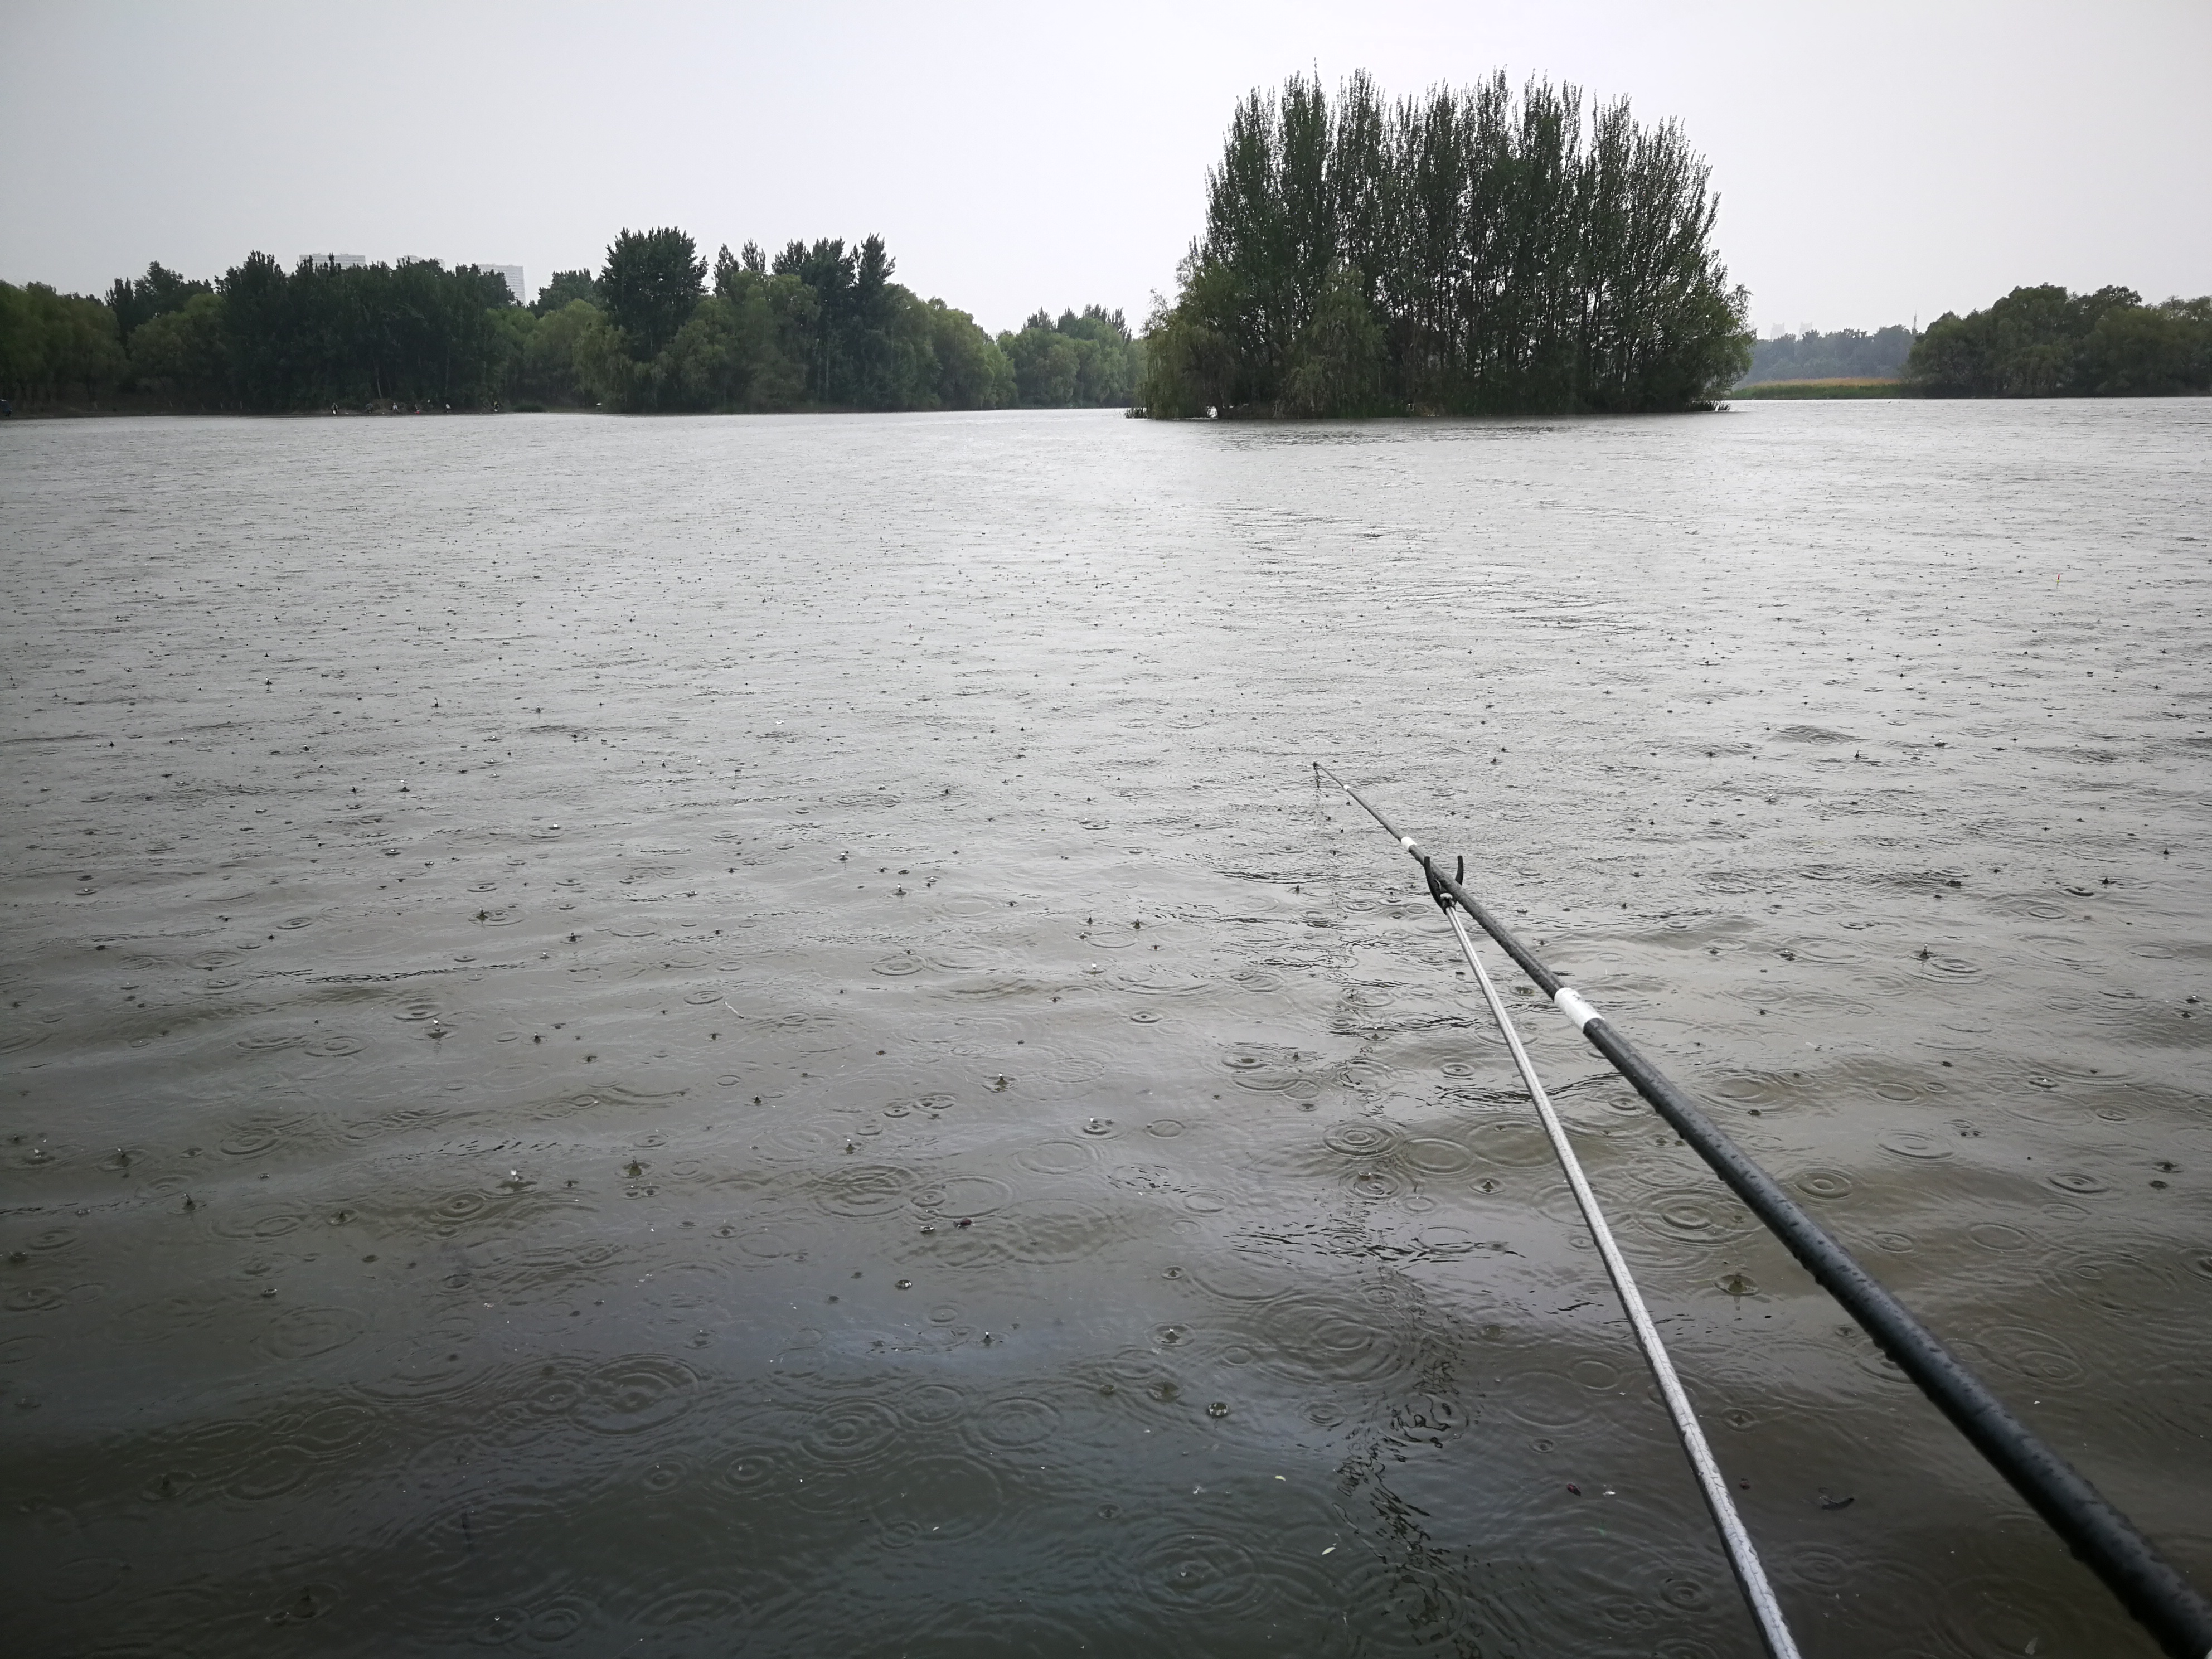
1840, 387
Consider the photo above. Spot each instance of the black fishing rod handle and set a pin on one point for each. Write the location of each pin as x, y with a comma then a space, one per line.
2106, 1541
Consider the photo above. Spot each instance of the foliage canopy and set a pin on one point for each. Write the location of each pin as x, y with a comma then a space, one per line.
650, 285
821, 324
1844, 353
1472, 251
2044, 342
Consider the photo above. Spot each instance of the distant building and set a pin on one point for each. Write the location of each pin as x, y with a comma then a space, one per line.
514, 275
339, 261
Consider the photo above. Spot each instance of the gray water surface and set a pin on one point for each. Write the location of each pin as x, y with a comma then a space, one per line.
750, 1036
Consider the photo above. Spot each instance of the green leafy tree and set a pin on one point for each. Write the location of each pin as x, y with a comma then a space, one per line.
516, 326
1106, 376
1951, 357
883, 372
1846, 353
1086, 359
259, 341
708, 365
787, 325
872, 347
971, 371
822, 324
2043, 341
605, 374
56, 347
2135, 351
177, 355
1336, 366
565, 290
545, 370
830, 273
650, 284
415, 333
160, 292
730, 271
1191, 362
1045, 362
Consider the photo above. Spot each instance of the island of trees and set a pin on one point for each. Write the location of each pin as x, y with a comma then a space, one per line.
817, 326
1472, 250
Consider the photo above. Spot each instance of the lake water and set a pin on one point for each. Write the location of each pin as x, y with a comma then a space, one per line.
750, 1036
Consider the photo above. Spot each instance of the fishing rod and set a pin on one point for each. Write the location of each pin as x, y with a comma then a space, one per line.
2159, 1598
1743, 1556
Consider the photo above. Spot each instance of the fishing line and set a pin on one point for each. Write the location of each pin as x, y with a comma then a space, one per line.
1742, 1555
2163, 1602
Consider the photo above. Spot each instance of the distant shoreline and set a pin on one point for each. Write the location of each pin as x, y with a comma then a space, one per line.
1838, 387
61, 411
1780, 390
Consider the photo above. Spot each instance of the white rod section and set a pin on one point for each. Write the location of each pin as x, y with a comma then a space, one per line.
1743, 1556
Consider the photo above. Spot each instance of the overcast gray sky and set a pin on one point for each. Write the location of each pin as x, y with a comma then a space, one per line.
1875, 160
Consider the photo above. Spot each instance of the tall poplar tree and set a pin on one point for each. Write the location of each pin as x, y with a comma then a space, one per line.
651, 283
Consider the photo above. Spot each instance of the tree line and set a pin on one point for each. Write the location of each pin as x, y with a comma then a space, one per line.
1469, 251
1842, 354
817, 326
2045, 343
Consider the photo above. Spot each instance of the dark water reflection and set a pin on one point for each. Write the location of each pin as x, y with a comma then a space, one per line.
750, 1035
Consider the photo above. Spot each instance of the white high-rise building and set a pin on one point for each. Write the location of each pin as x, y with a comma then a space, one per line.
340, 261
514, 275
